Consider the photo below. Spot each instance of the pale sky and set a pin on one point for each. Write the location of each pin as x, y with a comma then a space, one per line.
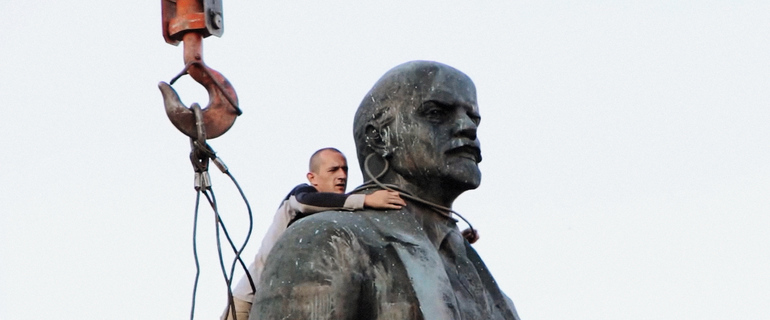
626, 146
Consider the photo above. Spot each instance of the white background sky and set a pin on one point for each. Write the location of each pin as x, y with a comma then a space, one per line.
626, 147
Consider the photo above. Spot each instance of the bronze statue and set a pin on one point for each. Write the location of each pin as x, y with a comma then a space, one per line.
415, 131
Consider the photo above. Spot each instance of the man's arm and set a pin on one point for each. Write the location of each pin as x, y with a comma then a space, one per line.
306, 200
384, 199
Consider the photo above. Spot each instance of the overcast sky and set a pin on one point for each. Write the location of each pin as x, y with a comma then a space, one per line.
626, 145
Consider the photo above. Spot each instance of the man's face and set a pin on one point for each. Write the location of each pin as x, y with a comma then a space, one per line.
331, 175
435, 136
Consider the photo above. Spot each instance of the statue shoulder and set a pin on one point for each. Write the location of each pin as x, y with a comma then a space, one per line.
317, 268
325, 225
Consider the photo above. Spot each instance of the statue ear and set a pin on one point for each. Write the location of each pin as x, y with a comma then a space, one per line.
378, 139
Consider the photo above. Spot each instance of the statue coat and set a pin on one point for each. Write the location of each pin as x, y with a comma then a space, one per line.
364, 265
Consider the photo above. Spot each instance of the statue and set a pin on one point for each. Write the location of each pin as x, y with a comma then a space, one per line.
415, 131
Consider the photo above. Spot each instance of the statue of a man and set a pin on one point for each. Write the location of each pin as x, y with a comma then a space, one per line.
418, 125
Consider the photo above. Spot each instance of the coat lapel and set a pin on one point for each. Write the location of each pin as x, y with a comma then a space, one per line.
422, 264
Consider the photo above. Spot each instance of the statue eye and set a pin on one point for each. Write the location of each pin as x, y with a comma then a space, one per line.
435, 112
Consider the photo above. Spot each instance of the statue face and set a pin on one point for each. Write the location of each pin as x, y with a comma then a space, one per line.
434, 137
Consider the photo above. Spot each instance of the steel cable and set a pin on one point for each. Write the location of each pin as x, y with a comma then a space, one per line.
443, 211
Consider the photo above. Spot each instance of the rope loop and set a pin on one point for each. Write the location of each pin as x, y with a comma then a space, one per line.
441, 210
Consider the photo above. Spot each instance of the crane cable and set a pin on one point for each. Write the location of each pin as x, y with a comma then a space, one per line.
200, 155
375, 183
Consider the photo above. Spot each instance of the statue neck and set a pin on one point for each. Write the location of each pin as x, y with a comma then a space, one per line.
433, 193
435, 225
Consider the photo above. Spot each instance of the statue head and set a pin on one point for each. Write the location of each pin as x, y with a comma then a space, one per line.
422, 117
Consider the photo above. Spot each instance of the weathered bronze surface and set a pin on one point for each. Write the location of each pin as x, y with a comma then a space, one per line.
421, 117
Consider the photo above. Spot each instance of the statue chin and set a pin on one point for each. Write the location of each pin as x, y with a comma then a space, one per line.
465, 175
460, 180
469, 182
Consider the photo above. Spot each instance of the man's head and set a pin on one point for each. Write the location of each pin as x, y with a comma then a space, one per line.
422, 116
328, 171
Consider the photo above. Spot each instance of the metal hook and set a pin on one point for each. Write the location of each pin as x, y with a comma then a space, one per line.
221, 111
183, 21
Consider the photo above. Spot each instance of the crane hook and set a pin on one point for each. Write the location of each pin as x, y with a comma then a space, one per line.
221, 111
189, 21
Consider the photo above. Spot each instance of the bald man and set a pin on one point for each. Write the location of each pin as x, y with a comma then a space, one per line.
328, 177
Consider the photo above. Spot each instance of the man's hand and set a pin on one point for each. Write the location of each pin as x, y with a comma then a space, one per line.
384, 199
472, 235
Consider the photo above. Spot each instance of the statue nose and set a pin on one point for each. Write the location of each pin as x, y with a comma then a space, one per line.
466, 127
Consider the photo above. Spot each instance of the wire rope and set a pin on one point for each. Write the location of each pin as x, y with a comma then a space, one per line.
208, 192
443, 211
195, 254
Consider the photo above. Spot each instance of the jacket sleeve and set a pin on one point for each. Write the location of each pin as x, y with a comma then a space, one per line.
307, 200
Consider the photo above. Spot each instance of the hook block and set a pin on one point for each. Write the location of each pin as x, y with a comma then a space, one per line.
208, 22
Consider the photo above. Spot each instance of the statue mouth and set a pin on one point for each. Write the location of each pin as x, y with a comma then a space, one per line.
469, 151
